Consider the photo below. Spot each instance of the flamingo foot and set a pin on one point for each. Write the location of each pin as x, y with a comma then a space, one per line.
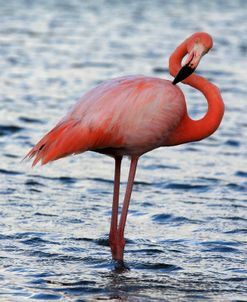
120, 266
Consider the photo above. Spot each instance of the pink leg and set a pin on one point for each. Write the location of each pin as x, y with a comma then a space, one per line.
118, 255
114, 217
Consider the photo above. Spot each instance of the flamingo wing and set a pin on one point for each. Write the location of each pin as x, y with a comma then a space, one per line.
131, 114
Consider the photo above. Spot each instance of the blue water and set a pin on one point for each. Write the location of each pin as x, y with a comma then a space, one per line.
187, 226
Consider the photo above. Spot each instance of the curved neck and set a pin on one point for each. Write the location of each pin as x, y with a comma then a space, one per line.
193, 130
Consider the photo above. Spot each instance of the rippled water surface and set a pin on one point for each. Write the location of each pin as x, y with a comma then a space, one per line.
187, 225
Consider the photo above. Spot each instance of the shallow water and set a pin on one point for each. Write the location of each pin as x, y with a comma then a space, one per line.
187, 225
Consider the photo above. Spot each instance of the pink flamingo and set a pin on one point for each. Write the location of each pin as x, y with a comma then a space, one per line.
131, 115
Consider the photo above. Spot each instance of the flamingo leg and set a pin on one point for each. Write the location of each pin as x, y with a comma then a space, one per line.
119, 252
115, 202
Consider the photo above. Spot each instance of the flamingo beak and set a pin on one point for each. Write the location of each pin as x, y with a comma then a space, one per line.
183, 73
191, 63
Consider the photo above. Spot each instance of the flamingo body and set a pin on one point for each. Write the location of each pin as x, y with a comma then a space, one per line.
124, 116
132, 115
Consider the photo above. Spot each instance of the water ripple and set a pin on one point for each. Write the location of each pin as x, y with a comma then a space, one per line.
9, 129
168, 218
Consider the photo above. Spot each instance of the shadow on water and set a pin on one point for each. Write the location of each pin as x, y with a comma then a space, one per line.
113, 285
132, 285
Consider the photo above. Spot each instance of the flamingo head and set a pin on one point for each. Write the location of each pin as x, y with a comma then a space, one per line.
197, 46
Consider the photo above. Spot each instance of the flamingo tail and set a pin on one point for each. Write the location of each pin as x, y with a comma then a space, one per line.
64, 139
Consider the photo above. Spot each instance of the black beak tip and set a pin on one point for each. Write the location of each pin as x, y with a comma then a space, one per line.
175, 81
183, 73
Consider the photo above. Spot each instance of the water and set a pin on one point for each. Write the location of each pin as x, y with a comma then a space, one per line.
187, 225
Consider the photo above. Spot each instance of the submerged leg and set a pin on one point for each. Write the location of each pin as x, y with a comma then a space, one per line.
114, 217
118, 255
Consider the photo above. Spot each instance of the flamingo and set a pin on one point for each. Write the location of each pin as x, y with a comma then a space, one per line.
131, 115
